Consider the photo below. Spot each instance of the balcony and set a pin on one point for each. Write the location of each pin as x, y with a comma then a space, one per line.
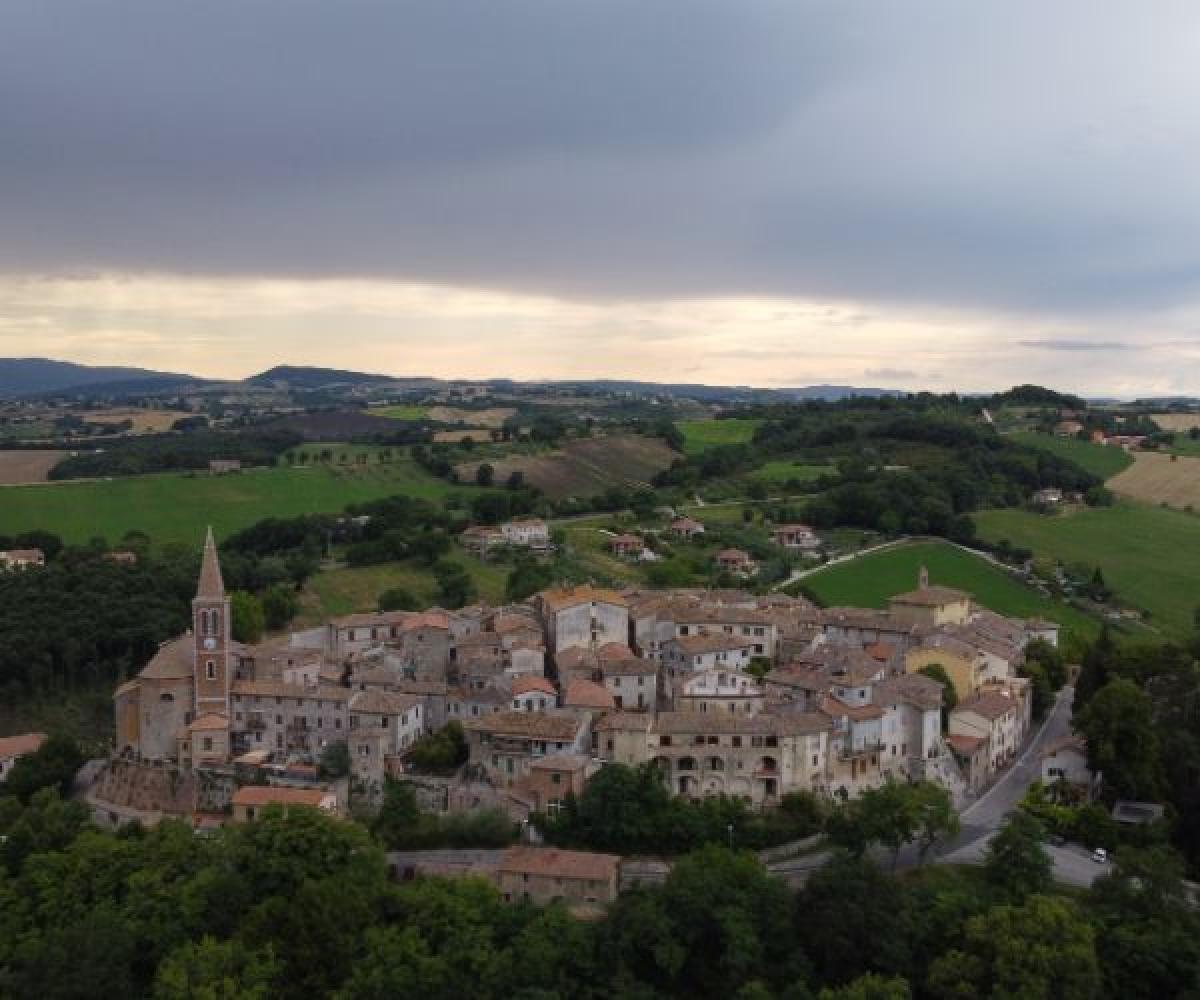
855, 752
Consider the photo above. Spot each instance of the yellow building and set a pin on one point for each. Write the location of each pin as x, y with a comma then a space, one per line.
931, 605
964, 664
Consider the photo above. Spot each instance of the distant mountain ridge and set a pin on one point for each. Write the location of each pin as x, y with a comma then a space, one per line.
37, 376
43, 376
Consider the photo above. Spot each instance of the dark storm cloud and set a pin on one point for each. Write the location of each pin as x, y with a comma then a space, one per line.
992, 155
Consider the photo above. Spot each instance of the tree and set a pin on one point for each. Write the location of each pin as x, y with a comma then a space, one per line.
455, 586
279, 606
894, 814
216, 970
52, 765
485, 475
249, 619
855, 920
936, 816
335, 761
731, 918
527, 577
1095, 669
1122, 739
935, 671
1016, 861
440, 752
1043, 950
398, 599
869, 987
399, 815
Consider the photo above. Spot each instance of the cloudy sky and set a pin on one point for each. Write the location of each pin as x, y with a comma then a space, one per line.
918, 194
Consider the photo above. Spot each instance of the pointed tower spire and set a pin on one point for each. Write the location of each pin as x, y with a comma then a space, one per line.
211, 585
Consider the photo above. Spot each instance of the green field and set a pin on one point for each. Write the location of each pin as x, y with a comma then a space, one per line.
401, 411
700, 435
784, 470
1098, 459
176, 508
346, 591
870, 580
1149, 555
589, 550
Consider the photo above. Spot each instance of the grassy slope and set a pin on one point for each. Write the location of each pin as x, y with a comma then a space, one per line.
400, 412
700, 435
1149, 555
345, 591
783, 470
872, 579
176, 507
1098, 459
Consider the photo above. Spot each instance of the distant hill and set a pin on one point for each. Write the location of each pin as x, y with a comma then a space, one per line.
712, 393
37, 376
300, 377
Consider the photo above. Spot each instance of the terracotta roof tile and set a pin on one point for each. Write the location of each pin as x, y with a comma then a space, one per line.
559, 864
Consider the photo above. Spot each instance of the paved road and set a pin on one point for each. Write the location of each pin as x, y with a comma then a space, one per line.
799, 574
989, 810
983, 817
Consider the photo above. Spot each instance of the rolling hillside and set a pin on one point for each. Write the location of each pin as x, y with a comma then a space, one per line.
1149, 555
870, 580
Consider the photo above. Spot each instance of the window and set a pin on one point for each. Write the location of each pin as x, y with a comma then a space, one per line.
207, 743
555, 778
364, 750
735, 741
210, 670
279, 720
664, 741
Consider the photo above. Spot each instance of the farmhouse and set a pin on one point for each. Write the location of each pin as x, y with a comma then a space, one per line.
737, 562
1065, 770
22, 558
796, 536
545, 875
531, 533
626, 546
686, 527
13, 748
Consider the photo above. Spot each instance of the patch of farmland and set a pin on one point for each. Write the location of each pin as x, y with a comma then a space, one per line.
28, 466
1176, 421
868, 581
585, 467
144, 421
700, 435
492, 417
1170, 479
476, 434
1101, 460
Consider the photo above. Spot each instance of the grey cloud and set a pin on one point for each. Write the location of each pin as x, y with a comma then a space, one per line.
1051, 344
933, 152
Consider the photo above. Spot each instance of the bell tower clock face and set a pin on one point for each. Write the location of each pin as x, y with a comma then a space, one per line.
210, 643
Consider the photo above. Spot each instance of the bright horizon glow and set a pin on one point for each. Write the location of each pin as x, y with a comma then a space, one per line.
228, 328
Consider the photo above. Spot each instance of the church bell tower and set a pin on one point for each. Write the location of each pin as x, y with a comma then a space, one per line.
211, 624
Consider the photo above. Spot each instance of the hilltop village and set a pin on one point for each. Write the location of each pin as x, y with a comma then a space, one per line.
728, 693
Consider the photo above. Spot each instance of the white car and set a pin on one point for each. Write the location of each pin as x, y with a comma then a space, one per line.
1100, 856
